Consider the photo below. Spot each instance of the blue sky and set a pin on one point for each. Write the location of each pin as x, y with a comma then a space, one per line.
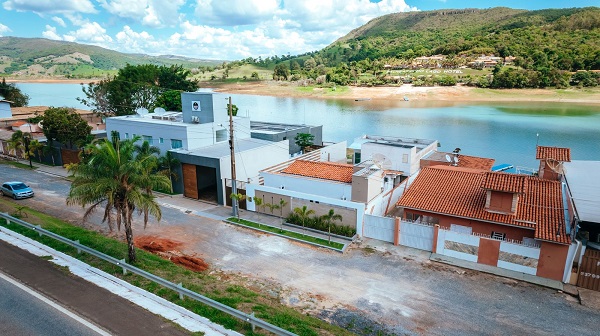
216, 29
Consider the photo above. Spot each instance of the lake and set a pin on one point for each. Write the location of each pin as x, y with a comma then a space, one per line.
503, 131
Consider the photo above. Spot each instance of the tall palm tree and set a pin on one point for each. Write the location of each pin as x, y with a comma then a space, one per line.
16, 144
304, 214
145, 149
119, 181
166, 164
329, 218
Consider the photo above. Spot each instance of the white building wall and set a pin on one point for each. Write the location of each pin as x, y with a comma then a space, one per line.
192, 135
398, 157
5, 111
248, 163
334, 153
360, 207
310, 186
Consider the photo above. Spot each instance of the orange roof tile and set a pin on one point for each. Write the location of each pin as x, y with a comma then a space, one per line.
458, 192
18, 123
554, 153
505, 182
323, 170
475, 162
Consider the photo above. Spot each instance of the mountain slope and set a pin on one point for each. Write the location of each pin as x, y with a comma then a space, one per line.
570, 38
49, 57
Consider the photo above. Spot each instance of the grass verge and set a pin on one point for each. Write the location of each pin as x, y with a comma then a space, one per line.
16, 164
223, 289
291, 234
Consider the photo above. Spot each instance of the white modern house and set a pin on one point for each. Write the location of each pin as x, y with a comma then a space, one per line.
199, 138
392, 153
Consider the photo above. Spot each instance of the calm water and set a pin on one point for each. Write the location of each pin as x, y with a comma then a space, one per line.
504, 131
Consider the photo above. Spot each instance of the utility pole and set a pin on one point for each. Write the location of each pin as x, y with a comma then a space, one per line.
234, 201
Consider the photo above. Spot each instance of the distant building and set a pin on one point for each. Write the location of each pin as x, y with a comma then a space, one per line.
5, 111
271, 131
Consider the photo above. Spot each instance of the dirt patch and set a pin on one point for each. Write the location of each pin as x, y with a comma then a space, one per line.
167, 249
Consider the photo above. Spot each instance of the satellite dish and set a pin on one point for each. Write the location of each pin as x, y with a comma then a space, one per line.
448, 158
159, 110
141, 111
382, 161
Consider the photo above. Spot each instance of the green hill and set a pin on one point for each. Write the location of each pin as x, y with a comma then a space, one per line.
43, 57
566, 39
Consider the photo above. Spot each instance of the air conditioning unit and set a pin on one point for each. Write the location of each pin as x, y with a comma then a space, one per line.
195, 119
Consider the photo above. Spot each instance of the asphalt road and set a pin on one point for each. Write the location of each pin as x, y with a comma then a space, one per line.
396, 290
22, 313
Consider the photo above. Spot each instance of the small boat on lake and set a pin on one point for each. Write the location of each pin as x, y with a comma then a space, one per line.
362, 99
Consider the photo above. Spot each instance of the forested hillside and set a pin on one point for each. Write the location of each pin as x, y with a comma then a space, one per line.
36, 56
567, 39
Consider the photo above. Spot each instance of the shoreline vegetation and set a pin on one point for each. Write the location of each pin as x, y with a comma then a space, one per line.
458, 93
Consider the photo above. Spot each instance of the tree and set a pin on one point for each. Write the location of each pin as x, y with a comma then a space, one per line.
234, 109
137, 86
66, 126
237, 197
120, 182
304, 140
254, 75
281, 72
13, 94
166, 164
258, 202
145, 150
15, 144
303, 213
329, 218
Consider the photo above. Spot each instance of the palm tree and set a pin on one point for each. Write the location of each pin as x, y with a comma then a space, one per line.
145, 149
259, 203
303, 213
16, 144
119, 181
166, 164
330, 217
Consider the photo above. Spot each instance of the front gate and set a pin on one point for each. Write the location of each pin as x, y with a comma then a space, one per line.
589, 272
380, 228
416, 235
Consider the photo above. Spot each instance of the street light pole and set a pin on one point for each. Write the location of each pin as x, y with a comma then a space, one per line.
234, 201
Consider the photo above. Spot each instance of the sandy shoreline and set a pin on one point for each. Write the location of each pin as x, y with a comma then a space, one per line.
395, 93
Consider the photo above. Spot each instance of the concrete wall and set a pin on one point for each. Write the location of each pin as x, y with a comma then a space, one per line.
352, 213
248, 163
334, 153
309, 186
211, 107
290, 136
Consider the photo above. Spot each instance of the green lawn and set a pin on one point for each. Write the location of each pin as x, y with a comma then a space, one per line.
222, 289
16, 164
291, 234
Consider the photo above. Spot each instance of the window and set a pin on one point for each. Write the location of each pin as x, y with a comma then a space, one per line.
176, 143
126, 135
161, 140
357, 157
147, 138
404, 158
498, 235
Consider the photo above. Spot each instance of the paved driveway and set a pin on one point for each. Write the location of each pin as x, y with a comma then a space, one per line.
374, 286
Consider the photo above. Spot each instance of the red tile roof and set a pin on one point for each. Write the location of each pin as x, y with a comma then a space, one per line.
554, 153
505, 182
323, 170
18, 123
458, 192
475, 162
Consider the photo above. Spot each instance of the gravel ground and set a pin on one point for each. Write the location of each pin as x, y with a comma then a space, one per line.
373, 289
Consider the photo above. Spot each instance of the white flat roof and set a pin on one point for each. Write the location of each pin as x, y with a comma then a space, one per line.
221, 149
583, 178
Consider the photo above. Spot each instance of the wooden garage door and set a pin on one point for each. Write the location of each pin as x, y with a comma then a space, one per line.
190, 182
589, 272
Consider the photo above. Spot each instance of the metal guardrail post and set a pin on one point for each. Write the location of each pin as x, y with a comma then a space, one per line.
180, 285
250, 318
123, 263
78, 249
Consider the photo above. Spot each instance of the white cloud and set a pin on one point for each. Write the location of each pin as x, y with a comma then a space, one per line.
89, 32
153, 13
4, 29
50, 6
235, 12
134, 42
60, 21
50, 33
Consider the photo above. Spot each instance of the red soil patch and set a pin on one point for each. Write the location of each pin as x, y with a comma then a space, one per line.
166, 249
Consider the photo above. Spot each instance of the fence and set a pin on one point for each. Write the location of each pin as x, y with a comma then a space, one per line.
380, 228
514, 255
183, 292
416, 235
